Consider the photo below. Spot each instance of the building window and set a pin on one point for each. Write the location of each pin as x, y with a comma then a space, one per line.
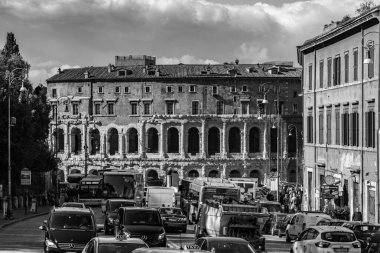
97, 109
148, 89
295, 108
169, 89
355, 128
192, 88
117, 89
321, 126
100, 89
245, 88
328, 121
75, 109
370, 129
310, 127
244, 108
346, 67
147, 109
336, 71
80, 90
337, 125
235, 98
214, 90
170, 108
355, 64
126, 89
295, 94
219, 107
233, 88
111, 108
329, 72
180, 89
345, 128
54, 93
194, 107
370, 55
321, 74
310, 77
133, 108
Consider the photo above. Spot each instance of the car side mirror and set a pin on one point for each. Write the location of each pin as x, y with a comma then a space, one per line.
42, 227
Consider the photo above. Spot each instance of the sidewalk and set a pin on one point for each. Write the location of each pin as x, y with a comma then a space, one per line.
19, 215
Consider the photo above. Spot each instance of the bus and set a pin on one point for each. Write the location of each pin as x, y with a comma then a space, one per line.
126, 184
248, 187
203, 189
90, 190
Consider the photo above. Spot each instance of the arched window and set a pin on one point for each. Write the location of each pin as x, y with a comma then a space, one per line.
173, 140
254, 174
152, 141
133, 141
234, 173
213, 141
152, 174
193, 173
254, 140
213, 173
193, 146
292, 145
94, 142
113, 141
234, 140
76, 140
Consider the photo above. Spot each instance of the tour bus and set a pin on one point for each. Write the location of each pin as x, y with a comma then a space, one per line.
127, 184
90, 191
202, 189
248, 187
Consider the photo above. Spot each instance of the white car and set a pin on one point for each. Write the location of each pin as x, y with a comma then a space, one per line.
324, 239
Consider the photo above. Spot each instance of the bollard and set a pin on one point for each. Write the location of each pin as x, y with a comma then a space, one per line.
33, 207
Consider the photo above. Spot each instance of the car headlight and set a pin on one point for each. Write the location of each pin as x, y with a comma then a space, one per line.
161, 236
182, 219
50, 243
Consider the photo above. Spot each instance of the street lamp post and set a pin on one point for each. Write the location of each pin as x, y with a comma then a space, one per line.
292, 128
11, 78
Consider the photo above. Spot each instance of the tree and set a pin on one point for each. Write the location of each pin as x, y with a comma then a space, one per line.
29, 147
365, 7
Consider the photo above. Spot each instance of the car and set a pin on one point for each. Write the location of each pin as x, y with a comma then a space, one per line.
141, 222
362, 231
275, 221
116, 244
68, 229
173, 218
317, 239
112, 206
73, 204
224, 245
282, 224
302, 220
168, 250
333, 222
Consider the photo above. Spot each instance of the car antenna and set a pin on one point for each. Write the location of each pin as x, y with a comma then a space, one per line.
180, 240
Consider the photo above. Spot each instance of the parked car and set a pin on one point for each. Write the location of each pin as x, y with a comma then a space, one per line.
362, 231
333, 222
68, 229
173, 218
275, 221
224, 245
141, 222
113, 245
326, 239
73, 204
168, 250
282, 224
302, 220
112, 206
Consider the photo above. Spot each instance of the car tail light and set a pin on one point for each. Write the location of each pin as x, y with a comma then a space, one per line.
322, 244
356, 244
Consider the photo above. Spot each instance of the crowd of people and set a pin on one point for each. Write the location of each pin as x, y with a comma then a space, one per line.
290, 198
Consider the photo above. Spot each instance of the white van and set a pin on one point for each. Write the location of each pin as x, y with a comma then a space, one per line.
303, 220
158, 196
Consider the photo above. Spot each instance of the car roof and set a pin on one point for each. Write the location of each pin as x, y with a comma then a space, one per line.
120, 200
71, 203
67, 209
164, 250
331, 229
224, 239
138, 208
104, 240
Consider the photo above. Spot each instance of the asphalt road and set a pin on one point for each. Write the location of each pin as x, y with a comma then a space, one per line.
26, 237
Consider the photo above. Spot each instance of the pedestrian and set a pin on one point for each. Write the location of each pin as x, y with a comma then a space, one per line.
286, 203
357, 215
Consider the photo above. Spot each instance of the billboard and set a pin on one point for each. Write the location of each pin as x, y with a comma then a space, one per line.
26, 177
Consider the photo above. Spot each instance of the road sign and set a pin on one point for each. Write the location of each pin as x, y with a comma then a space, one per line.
26, 177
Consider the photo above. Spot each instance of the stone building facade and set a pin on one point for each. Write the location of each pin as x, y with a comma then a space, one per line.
341, 108
195, 120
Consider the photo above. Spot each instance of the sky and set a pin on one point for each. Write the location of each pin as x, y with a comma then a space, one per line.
80, 33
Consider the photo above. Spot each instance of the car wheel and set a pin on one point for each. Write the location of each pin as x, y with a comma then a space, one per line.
291, 251
288, 239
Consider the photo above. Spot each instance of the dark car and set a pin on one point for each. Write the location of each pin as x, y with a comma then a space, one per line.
173, 218
275, 221
224, 245
141, 222
68, 229
112, 206
363, 231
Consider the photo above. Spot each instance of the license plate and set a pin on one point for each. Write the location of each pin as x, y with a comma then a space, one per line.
341, 250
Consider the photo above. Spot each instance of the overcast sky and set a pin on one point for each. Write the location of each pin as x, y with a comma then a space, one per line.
79, 33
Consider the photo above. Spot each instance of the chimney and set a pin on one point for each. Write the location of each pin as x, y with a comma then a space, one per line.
86, 74
109, 68
59, 71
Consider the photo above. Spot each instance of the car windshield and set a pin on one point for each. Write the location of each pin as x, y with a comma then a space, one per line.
115, 205
175, 211
230, 247
119, 247
72, 205
336, 236
139, 217
71, 221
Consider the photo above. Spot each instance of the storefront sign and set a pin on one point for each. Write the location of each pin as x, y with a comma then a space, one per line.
329, 191
26, 177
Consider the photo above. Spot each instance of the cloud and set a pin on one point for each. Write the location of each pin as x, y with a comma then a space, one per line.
40, 73
185, 59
